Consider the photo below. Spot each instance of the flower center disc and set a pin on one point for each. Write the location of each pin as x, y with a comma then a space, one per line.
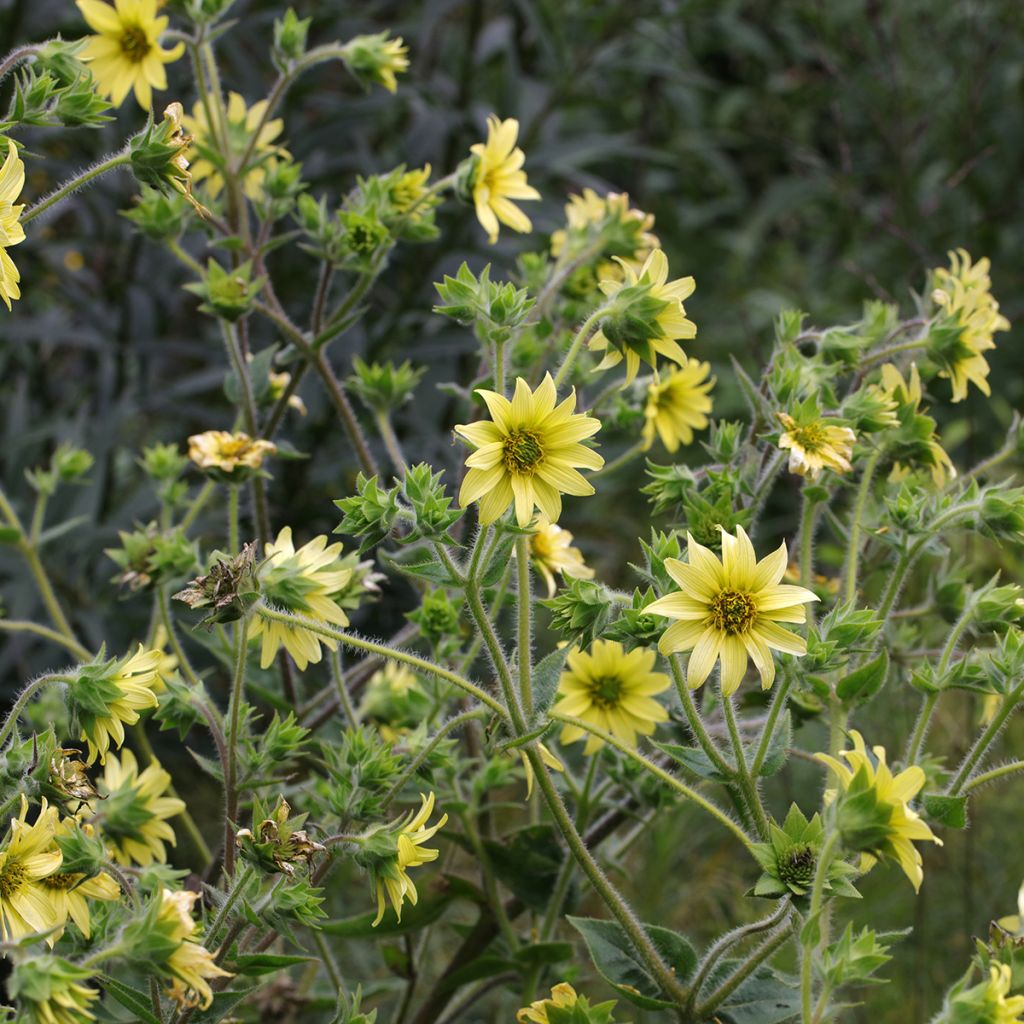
134, 44
811, 438
12, 876
733, 612
523, 452
606, 691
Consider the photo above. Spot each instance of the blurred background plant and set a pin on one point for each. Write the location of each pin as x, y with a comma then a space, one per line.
799, 155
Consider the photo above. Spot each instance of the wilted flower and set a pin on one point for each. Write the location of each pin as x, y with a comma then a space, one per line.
230, 588
230, 457
68, 775
528, 454
677, 404
731, 609
279, 841
551, 551
12, 181
190, 965
816, 443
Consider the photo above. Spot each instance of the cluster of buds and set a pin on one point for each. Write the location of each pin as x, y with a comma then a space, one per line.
494, 309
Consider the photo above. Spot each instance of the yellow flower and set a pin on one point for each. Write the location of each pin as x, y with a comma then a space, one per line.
731, 609
678, 404
190, 965
892, 795
124, 691
308, 581
133, 811
547, 757
498, 177
999, 1009
551, 551
562, 995
393, 61
392, 880
376, 59
528, 454
242, 125
279, 382
613, 690
26, 907
48, 990
12, 180
815, 445
963, 292
125, 53
72, 891
590, 211
915, 442
653, 319
221, 450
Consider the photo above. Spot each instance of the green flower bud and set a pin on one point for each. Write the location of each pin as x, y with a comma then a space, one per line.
289, 38
384, 387
227, 293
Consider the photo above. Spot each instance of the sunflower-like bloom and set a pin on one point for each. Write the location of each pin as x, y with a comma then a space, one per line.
133, 810
963, 293
308, 581
49, 990
72, 890
915, 443
645, 317
551, 551
242, 125
125, 53
26, 906
225, 452
190, 965
882, 824
391, 878
816, 444
12, 181
627, 230
613, 690
528, 454
678, 404
990, 1001
731, 609
376, 59
107, 700
498, 177
563, 996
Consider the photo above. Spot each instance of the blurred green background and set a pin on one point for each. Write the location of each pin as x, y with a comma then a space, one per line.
808, 154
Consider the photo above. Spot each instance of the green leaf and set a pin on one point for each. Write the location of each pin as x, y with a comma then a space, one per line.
692, 758
543, 953
131, 999
528, 862
778, 749
766, 997
621, 966
475, 970
546, 674
948, 810
429, 568
9, 535
255, 964
863, 683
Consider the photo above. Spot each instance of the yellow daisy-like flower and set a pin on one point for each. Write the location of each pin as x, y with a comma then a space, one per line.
678, 404
242, 124
731, 609
613, 690
12, 181
892, 796
72, 891
190, 965
125, 53
562, 995
125, 690
551, 551
914, 445
308, 581
227, 452
528, 454
392, 880
49, 990
816, 445
133, 811
651, 320
593, 211
963, 292
26, 906
376, 59
498, 178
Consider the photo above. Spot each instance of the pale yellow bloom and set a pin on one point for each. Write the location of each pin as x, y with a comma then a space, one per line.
125, 53
591, 210
226, 451
499, 178
908, 395
562, 995
677, 404
905, 825
816, 445
191, 965
72, 891
528, 453
668, 326
132, 810
551, 551
613, 690
29, 857
731, 609
12, 181
242, 124
392, 881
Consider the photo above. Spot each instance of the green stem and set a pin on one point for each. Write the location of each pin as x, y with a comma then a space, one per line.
14, 58
21, 703
384, 651
341, 689
807, 957
873, 358
577, 343
621, 460
856, 522
808, 524
236, 891
524, 598
203, 495
746, 780
778, 705
184, 664
499, 367
74, 184
234, 723
20, 626
984, 741
659, 773
697, 727
390, 439
993, 774
233, 518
